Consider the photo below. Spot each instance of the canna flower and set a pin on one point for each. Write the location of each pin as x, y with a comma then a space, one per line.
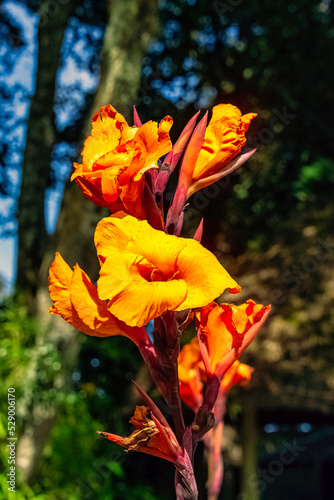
145, 272
116, 156
192, 375
75, 299
225, 331
152, 436
211, 154
211, 149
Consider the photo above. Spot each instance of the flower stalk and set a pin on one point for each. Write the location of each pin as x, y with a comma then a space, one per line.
213, 443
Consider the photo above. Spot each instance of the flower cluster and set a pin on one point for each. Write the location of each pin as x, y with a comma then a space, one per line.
148, 272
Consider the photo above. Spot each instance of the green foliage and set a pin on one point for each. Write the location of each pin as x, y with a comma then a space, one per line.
19, 370
30, 365
311, 177
77, 464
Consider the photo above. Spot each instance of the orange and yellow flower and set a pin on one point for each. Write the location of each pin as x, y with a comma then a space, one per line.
225, 331
145, 272
152, 436
75, 299
192, 375
204, 161
237, 374
116, 156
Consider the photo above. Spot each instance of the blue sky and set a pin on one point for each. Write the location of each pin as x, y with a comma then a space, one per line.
23, 74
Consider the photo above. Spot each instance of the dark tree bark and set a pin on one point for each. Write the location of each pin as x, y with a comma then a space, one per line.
130, 29
39, 145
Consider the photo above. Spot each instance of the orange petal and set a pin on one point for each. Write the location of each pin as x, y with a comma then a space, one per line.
236, 350
191, 390
153, 140
109, 185
223, 330
214, 335
91, 310
224, 138
238, 374
115, 158
60, 275
226, 170
190, 355
92, 190
108, 112
105, 135
76, 300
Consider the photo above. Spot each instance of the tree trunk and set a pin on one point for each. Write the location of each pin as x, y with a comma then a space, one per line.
130, 29
39, 145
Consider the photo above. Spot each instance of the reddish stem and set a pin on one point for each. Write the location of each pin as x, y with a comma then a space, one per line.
213, 442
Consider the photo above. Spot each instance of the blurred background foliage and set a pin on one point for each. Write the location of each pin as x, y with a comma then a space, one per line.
75, 463
270, 224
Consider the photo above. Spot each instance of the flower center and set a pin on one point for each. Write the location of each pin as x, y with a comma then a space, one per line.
151, 273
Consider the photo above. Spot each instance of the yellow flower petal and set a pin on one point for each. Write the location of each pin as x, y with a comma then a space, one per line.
135, 300
146, 272
204, 275
131, 235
